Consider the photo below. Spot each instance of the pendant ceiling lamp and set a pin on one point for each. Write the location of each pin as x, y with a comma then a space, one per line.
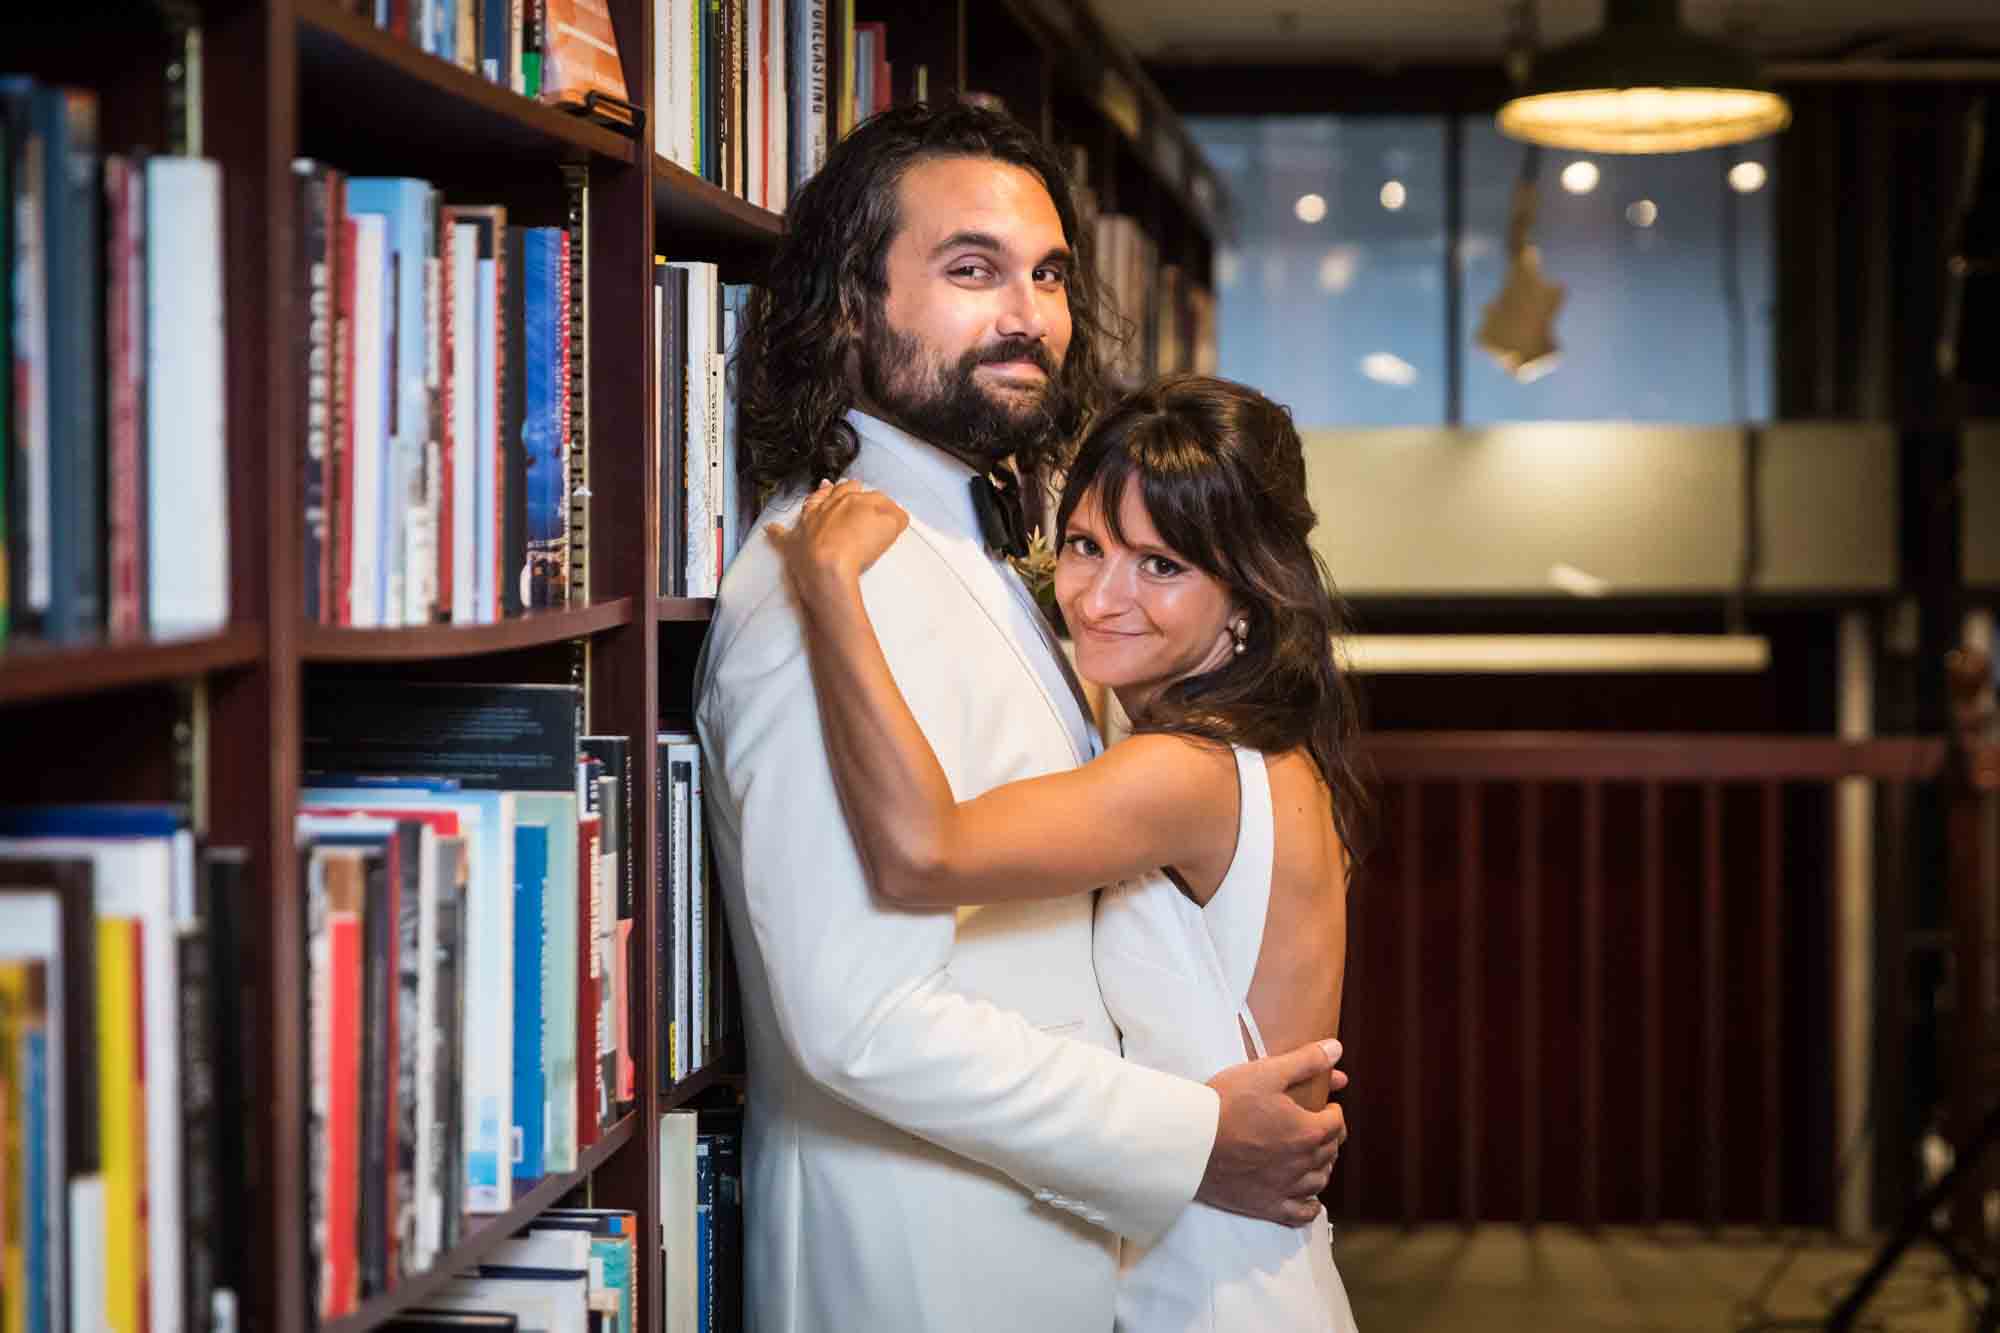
1643, 84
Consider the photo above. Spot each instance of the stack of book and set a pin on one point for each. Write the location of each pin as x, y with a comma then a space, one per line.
698, 1018
697, 318
740, 93
121, 1073
563, 52
445, 441
701, 1219
470, 898
1127, 271
113, 477
571, 1269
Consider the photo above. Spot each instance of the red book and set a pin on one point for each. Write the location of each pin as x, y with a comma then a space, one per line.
124, 347
341, 1288
628, 1071
590, 1100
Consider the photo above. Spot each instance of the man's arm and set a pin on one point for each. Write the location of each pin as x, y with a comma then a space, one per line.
864, 998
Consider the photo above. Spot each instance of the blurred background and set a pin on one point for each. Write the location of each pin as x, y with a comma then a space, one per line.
1672, 968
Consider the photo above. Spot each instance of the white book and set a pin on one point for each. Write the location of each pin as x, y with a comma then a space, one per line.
702, 417
563, 1250
677, 1215
810, 87
368, 391
664, 38
135, 879
31, 371
465, 419
688, 120
486, 1045
486, 435
553, 1304
187, 523
86, 1262
753, 104
777, 109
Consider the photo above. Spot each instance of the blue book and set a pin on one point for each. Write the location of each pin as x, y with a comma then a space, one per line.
704, 1233
43, 1285
409, 527
91, 821
67, 366
493, 42
545, 581
531, 873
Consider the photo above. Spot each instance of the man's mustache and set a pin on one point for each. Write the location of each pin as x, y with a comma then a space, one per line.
1032, 350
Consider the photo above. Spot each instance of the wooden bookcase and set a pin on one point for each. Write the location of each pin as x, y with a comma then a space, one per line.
216, 720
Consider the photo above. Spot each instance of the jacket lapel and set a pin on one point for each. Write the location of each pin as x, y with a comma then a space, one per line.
932, 523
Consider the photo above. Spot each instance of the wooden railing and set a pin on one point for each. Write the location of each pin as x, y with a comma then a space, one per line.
1574, 987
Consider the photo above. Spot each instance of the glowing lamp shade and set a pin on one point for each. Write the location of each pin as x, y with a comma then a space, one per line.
1644, 84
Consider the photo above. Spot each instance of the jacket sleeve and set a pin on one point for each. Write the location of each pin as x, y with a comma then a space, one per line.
862, 991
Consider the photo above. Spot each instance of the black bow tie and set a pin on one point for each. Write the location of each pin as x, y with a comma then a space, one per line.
998, 505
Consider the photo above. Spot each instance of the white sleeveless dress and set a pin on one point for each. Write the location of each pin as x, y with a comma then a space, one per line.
1176, 978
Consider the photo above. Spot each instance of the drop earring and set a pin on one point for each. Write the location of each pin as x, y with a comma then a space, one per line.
1241, 630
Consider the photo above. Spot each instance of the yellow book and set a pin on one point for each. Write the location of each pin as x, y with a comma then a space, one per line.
121, 1123
13, 1152
844, 118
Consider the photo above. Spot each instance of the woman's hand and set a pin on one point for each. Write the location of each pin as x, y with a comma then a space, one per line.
842, 531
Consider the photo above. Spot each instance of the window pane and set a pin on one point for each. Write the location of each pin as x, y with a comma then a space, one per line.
1641, 245
1331, 297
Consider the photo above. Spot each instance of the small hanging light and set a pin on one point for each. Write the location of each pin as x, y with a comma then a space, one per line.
1644, 84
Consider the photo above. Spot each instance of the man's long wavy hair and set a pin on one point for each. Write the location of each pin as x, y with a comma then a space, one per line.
1221, 471
808, 316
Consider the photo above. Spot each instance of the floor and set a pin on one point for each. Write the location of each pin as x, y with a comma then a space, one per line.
1497, 1279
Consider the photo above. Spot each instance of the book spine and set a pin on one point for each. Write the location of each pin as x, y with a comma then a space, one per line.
407, 1033
589, 1036
85, 460
510, 487
316, 300
530, 941
124, 318
377, 1070
448, 1034
121, 1120
224, 872
442, 469
340, 455
199, 1148
578, 238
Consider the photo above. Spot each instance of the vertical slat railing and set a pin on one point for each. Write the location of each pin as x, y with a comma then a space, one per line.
1652, 1000
1412, 995
1772, 996
1531, 1003
1471, 1089
1711, 1003
1593, 1004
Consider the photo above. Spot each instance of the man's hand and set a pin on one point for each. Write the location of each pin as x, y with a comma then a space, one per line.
1272, 1157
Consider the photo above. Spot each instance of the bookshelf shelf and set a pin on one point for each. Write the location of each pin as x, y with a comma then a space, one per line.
715, 1075
529, 1200
367, 85
323, 643
689, 205
30, 671
684, 609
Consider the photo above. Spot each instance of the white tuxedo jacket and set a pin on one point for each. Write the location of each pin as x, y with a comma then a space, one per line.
940, 1133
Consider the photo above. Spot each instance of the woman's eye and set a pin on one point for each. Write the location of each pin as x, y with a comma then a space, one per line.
1161, 567
1082, 546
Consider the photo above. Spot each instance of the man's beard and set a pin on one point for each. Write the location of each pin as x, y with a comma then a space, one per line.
946, 406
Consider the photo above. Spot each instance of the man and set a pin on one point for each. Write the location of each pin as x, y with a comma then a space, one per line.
941, 1134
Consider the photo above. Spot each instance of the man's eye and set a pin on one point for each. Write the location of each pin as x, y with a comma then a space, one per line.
970, 271
1054, 277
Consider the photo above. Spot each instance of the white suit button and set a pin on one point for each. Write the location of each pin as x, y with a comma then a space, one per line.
1044, 1196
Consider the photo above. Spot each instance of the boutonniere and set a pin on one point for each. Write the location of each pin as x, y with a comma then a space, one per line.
1038, 571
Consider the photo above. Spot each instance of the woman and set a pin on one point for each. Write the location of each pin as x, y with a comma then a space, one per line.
1226, 821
